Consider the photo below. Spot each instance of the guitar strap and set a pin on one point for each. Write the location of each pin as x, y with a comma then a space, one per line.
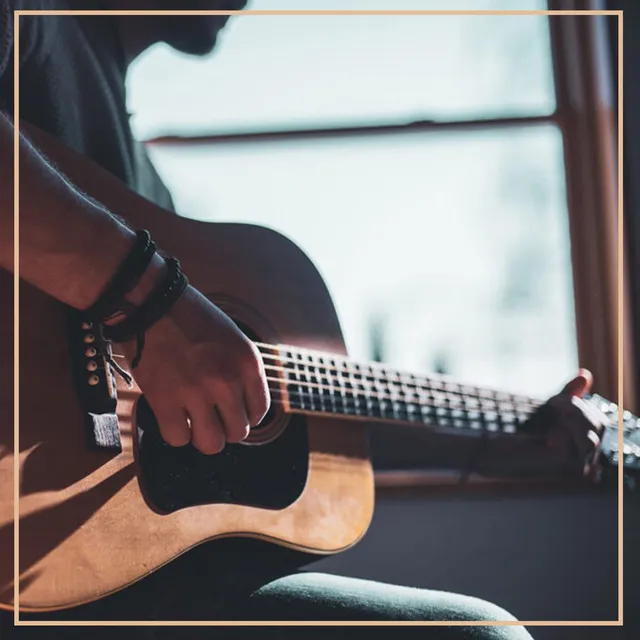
94, 381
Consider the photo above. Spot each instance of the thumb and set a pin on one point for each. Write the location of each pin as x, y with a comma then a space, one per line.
580, 385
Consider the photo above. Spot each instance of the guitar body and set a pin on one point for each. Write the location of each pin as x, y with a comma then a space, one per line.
92, 521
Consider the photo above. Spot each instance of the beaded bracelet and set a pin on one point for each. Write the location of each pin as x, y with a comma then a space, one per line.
151, 310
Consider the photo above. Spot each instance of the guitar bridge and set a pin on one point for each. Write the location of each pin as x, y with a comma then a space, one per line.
94, 381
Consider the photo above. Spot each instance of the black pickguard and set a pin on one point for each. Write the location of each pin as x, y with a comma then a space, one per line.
270, 476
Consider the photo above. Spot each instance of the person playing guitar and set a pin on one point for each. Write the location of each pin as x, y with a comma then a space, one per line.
206, 382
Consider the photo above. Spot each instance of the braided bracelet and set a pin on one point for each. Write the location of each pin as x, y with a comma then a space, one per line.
126, 278
152, 309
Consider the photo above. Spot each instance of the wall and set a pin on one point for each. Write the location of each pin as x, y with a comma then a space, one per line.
539, 556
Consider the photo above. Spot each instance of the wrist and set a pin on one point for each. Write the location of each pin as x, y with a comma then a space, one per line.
88, 271
162, 298
150, 279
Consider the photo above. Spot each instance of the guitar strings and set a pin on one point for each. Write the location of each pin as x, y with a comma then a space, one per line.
290, 398
415, 380
356, 394
404, 391
294, 401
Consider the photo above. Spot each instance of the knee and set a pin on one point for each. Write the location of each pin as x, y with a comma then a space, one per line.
485, 612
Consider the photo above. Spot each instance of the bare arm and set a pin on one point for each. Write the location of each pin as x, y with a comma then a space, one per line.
70, 247
195, 358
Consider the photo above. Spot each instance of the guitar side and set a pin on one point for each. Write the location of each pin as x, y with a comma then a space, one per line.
87, 528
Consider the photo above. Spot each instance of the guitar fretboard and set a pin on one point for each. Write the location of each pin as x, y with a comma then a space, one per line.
314, 382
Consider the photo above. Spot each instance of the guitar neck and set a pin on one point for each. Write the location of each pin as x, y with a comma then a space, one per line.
313, 382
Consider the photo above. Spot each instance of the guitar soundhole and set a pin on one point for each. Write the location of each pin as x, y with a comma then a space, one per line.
271, 474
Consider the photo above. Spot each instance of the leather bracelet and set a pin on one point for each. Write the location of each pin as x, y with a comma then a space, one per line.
126, 278
152, 309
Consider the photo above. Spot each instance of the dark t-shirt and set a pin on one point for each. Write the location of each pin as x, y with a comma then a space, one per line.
72, 85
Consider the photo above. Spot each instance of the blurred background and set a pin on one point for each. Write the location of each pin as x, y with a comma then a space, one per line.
454, 179
445, 249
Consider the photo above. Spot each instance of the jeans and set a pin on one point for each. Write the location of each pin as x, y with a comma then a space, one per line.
185, 589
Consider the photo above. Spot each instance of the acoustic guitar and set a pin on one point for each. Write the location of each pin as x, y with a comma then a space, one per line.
103, 501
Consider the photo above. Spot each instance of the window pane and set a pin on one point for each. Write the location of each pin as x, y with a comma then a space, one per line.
274, 72
453, 249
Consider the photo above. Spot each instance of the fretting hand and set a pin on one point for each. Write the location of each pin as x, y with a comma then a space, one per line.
571, 427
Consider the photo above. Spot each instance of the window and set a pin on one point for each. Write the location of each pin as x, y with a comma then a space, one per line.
445, 244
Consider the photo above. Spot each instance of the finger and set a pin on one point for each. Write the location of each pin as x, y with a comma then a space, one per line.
593, 460
208, 434
597, 418
233, 414
173, 425
580, 385
595, 438
257, 399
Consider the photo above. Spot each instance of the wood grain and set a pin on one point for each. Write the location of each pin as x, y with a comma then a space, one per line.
85, 527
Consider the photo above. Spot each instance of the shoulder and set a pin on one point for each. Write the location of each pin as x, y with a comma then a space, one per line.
35, 31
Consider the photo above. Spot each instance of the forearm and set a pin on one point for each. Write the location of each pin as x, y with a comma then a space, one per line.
69, 246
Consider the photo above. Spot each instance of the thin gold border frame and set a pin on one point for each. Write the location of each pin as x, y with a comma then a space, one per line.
177, 623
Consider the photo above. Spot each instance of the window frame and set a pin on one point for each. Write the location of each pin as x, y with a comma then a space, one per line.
587, 117
631, 161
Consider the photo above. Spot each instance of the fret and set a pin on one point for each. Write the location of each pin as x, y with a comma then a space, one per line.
395, 392
315, 393
426, 408
296, 388
327, 389
509, 423
382, 397
325, 383
469, 391
505, 407
413, 406
361, 401
408, 397
308, 380
352, 391
303, 376
343, 405
365, 389
452, 387
490, 416
402, 393
488, 405
522, 413
339, 395
458, 418
413, 412
471, 403
296, 391
316, 378
386, 402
